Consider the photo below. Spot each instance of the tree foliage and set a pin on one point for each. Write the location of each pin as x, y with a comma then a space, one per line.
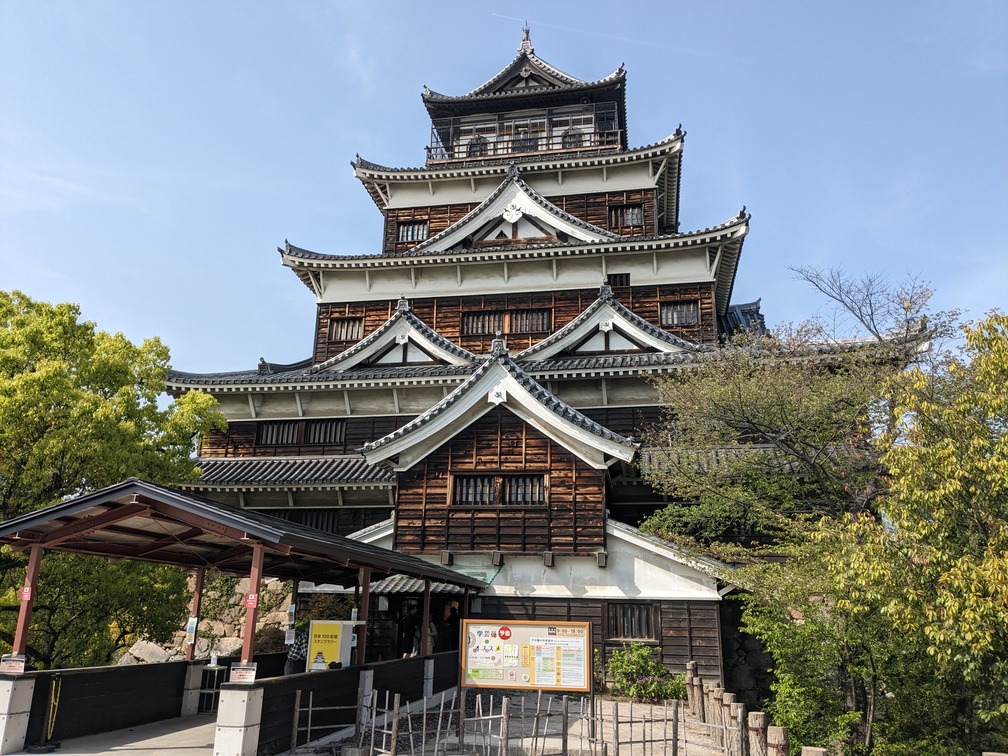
874, 473
79, 410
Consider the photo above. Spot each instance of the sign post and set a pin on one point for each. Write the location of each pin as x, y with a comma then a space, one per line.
527, 655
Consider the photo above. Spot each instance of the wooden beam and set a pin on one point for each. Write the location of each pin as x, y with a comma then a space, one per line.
252, 602
362, 613
425, 649
90, 524
168, 540
27, 594
194, 610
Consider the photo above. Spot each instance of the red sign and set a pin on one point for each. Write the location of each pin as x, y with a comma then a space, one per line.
26, 592
251, 600
504, 633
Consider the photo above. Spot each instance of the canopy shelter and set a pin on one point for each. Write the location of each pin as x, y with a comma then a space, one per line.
139, 520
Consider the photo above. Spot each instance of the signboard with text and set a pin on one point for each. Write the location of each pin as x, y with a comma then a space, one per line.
524, 654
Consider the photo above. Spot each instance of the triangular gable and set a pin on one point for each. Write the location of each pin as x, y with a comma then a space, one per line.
606, 326
499, 381
403, 340
527, 70
513, 214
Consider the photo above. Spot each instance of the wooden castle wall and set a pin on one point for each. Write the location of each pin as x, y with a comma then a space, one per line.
571, 521
239, 440
444, 314
592, 208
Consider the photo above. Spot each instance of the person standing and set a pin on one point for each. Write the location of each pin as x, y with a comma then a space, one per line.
410, 631
297, 654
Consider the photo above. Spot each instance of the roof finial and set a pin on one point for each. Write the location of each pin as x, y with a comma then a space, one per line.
403, 304
526, 43
498, 347
605, 290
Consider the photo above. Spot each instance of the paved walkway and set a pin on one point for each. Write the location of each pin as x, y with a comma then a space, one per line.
180, 736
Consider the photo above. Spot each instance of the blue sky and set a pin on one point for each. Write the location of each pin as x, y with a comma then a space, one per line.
154, 155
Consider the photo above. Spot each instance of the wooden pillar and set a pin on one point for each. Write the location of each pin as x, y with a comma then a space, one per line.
425, 629
777, 741
27, 594
252, 602
757, 733
362, 613
194, 610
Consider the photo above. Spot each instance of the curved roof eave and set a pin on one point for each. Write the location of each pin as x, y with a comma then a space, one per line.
366, 170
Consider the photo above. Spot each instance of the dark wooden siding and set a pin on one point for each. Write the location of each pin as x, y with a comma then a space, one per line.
572, 521
444, 314
239, 440
592, 208
689, 630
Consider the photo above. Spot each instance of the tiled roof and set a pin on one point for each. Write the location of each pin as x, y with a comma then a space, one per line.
528, 60
590, 363
400, 584
743, 317
402, 313
290, 471
538, 392
179, 380
606, 298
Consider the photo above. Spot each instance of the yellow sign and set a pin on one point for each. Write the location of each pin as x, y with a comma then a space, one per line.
324, 644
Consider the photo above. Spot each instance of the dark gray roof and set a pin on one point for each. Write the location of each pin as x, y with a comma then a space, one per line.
290, 471
538, 392
146, 522
178, 380
402, 313
743, 317
606, 298
614, 362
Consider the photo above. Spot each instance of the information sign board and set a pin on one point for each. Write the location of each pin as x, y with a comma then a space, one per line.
524, 654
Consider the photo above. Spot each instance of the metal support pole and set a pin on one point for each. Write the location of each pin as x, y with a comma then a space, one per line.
362, 614
252, 602
194, 610
27, 594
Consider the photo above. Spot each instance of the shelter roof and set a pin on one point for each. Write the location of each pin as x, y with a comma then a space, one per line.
146, 522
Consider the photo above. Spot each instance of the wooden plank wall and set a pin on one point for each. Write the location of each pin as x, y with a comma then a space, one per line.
592, 208
239, 440
444, 314
690, 630
571, 522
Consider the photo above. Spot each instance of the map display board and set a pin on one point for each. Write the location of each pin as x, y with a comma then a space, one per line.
523, 654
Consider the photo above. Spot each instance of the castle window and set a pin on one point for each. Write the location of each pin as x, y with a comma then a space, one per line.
680, 313
300, 433
477, 147
626, 215
346, 329
482, 323
572, 138
497, 490
525, 142
411, 231
489, 323
529, 321
619, 279
630, 622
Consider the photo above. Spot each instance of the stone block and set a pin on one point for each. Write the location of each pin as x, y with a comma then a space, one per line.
240, 707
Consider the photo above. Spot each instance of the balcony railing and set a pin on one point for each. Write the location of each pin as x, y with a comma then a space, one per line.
498, 135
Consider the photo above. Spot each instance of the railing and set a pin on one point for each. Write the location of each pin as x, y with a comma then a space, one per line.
503, 146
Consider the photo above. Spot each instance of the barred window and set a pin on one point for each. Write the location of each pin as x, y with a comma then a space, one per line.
346, 329
277, 433
530, 321
300, 432
499, 490
626, 215
680, 313
487, 323
630, 622
482, 323
572, 138
411, 231
324, 432
619, 279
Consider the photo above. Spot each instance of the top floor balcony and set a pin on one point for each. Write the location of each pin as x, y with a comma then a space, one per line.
490, 136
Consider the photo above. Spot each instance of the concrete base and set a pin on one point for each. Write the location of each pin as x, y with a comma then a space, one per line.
191, 691
238, 720
15, 707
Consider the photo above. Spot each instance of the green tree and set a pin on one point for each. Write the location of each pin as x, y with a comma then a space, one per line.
873, 474
79, 410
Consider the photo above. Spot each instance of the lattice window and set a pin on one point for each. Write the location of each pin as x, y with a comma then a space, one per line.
525, 141
619, 279
277, 433
529, 321
572, 139
324, 432
346, 329
630, 622
499, 490
488, 323
411, 231
626, 215
680, 313
482, 323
